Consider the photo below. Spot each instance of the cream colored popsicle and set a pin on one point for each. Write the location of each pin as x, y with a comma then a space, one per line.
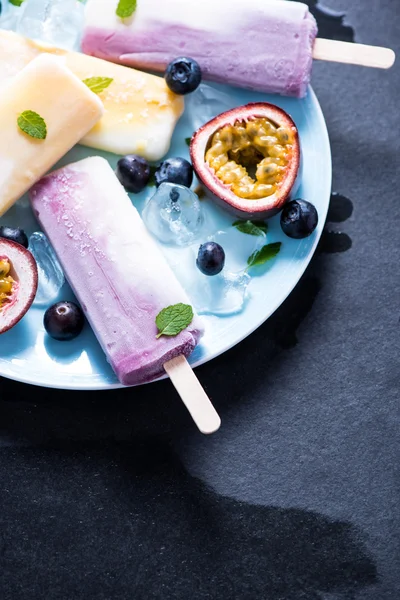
69, 110
140, 111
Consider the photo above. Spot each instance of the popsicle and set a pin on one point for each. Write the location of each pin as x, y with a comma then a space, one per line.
263, 45
114, 266
140, 111
66, 110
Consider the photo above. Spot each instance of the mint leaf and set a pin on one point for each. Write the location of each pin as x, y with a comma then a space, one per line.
260, 257
32, 124
98, 84
251, 227
174, 319
126, 8
188, 140
16, 2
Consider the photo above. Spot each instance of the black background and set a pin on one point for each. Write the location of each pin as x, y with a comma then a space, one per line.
115, 495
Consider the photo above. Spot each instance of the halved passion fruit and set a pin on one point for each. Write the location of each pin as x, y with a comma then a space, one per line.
248, 158
18, 283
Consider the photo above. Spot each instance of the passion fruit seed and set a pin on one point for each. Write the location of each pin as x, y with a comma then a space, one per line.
251, 156
6, 281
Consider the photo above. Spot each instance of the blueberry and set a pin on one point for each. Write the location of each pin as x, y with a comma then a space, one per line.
63, 321
174, 170
133, 172
299, 218
211, 258
14, 234
183, 75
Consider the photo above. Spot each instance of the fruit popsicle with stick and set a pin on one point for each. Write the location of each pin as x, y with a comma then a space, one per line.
138, 310
263, 45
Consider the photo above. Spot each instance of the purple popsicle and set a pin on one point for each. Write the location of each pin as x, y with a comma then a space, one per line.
114, 266
263, 45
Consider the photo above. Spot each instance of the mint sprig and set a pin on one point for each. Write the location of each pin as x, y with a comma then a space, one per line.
16, 2
126, 8
98, 84
266, 253
174, 319
256, 228
32, 124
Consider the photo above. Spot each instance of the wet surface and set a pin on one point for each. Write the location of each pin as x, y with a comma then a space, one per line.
331, 23
152, 511
332, 241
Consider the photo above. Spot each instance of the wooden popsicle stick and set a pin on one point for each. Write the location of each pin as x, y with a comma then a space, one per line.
354, 54
193, 395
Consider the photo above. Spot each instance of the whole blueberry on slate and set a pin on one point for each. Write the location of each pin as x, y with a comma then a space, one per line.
299, 218
183, 75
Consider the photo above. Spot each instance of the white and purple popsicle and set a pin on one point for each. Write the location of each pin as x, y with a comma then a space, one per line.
114, 266
263, 45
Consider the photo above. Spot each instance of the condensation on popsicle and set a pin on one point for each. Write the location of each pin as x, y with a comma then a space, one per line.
69, 110
140, 111
114, 266
263, 45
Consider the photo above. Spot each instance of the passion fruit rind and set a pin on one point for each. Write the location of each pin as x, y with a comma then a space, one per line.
18, 283
248, 159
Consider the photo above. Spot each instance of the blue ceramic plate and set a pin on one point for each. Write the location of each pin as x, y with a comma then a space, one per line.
27, 354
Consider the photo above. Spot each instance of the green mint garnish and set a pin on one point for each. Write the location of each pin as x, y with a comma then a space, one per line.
126, 8
98, 84
174, 319
260, 257
188, 140
16, 2
32, 124
251, 227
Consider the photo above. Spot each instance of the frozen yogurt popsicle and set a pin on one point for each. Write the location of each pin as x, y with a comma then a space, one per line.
114, 266
67, 106
264, 45
140, 112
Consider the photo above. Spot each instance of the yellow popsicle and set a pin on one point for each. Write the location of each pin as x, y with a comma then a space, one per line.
69, 110
140, 110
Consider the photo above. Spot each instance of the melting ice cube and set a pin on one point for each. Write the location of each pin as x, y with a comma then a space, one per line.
223, 294
174, 215
206, 103
57, 22
51, 275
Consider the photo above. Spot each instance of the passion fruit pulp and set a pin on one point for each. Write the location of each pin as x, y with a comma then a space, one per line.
18, 283
248, 158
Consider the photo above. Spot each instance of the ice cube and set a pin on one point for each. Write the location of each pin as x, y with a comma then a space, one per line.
51, 275
57, 22
206, 103
222, 294
10, 15
174, 215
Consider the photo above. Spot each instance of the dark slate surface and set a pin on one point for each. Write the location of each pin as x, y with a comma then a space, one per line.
116, 496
